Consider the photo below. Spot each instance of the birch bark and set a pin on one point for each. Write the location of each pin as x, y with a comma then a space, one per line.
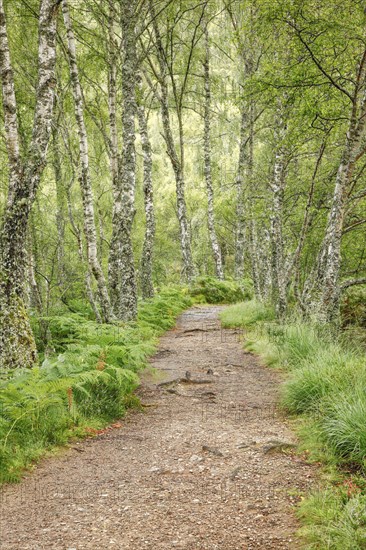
146, 281
277, 186
84, 177
240, 197
216, 251
176, 161
322, 291
17, 346
125, 292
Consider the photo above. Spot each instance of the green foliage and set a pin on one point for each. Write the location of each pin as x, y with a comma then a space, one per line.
353, 307
88, 383
213, 291
246, 314
343, 423
334, 519
326, 385
329, 371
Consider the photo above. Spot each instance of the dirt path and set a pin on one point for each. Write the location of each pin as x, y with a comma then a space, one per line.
199, 469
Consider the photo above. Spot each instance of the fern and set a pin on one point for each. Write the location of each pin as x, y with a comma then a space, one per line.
89, 380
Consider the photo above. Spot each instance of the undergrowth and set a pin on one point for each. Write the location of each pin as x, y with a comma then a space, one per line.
86, 382
326, 388
213, 291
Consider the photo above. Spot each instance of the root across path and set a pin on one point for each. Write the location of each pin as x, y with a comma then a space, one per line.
208, 463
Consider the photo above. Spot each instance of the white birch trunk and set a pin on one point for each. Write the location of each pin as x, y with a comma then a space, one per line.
17, 346
177, 163
255, 260
122, 267
277, 187
240, 198
146, 281
84, 177
87, 275
321, 294
216, 251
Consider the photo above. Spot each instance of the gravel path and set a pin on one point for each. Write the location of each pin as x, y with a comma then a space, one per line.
208, 464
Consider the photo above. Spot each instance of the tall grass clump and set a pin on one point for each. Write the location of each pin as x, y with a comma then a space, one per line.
246, 314
334, 519
87, 382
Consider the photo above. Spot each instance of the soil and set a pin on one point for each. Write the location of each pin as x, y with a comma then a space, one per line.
208, 463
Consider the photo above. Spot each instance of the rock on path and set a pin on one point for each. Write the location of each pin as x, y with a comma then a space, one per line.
209, 464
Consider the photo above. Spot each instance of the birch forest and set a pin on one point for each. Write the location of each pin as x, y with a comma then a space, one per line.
162, 154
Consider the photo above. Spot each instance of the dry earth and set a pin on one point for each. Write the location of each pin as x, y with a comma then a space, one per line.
209, 463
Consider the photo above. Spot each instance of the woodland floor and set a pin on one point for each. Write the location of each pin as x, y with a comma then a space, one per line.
208, 464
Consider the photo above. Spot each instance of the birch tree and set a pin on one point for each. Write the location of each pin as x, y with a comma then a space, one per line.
84, 177
125, 301
177, 159
277, 186
323, 288
147, 286
216, 251
17, 346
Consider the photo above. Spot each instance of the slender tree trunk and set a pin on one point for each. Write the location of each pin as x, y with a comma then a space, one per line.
125, 304
84, 178
277, 186
240, 197
326, 301
177, 163
216, 251
61, 205
17, 346
87, 276
255, 260
266, 267
294, 268
146, 281
115, 161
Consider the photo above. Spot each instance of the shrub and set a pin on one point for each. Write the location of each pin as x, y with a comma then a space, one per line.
353, 307
214, 291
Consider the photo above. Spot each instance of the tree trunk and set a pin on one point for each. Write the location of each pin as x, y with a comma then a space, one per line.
125, 304
277, 186
177, 163
115, 161
240, 198
61, 205
87, 276
255, 260
216, 251
322, 290
84, 178
17, 346
325, 300
146, 281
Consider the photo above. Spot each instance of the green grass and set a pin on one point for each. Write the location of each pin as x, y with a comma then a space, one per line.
87, 383
246, 314
334, 519
325, 388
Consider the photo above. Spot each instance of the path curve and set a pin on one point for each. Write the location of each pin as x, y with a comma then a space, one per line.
207, 465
